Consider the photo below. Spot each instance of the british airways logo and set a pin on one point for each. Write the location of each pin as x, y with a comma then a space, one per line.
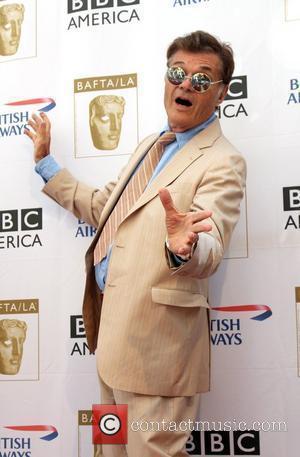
228, 331
18, 440
14, 119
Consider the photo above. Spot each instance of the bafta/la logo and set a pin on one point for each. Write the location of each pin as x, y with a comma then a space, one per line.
85, 445
11, 19
103, 428
19, 340
12, 338
106, 113
17, 29
111, 127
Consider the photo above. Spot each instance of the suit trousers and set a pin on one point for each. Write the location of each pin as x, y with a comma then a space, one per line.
149, 417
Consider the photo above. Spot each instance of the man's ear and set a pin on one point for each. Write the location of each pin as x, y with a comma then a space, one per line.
223, 93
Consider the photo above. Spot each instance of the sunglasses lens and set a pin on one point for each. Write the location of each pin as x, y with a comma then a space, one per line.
175, 75
200, 82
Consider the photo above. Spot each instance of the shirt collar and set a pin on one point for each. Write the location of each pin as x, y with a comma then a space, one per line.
183, 137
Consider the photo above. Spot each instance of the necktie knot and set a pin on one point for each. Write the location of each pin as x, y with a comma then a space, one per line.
166, 138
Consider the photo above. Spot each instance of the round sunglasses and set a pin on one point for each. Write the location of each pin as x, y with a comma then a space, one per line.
200, 82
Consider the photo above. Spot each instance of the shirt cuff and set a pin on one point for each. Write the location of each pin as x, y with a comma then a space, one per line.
47, 168
177, 260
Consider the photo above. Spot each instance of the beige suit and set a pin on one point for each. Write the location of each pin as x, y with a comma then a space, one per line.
154, 332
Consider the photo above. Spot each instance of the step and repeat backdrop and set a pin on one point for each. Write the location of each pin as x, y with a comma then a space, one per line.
72, 59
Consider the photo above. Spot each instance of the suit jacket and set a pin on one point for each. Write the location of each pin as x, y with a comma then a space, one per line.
154, 328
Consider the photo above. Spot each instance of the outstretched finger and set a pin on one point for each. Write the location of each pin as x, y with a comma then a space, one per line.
45, 119
36, 118
201, 227
29, 133
43, 128
198, 216
33, 125
167, 201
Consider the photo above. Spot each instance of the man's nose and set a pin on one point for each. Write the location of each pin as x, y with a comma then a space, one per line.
186, 83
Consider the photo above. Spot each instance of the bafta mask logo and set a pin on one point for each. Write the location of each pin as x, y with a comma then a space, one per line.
106, 112
11, 18
12, 337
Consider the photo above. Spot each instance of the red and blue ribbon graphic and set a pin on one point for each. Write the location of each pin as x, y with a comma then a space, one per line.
50, 103
243, 308
36, 428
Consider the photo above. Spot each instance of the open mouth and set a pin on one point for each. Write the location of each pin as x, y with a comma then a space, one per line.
183, 101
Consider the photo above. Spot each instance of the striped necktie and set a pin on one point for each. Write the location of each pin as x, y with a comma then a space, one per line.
132, 192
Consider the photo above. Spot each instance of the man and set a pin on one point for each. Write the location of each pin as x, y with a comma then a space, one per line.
12, 337
153, 261
106, 112
11, 18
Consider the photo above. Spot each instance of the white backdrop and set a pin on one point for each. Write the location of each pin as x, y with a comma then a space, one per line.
254, 362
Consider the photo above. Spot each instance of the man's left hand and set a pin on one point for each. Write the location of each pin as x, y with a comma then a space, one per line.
183, 228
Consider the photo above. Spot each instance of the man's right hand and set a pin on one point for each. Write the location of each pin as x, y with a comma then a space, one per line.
40, 136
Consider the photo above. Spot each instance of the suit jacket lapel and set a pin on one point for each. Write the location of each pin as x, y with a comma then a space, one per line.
194, 149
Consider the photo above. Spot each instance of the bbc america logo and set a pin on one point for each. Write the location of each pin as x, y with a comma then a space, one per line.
291, 198
20, 220
78, 347
24, 219
291, 202
84, 5
224, 443
232, 106
89, 13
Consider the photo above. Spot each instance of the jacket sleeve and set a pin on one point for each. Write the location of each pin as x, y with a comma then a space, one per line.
83, 201
221, 192
86, 202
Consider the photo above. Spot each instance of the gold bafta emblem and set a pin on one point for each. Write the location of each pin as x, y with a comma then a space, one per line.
12, 337
11, 18
106, 112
